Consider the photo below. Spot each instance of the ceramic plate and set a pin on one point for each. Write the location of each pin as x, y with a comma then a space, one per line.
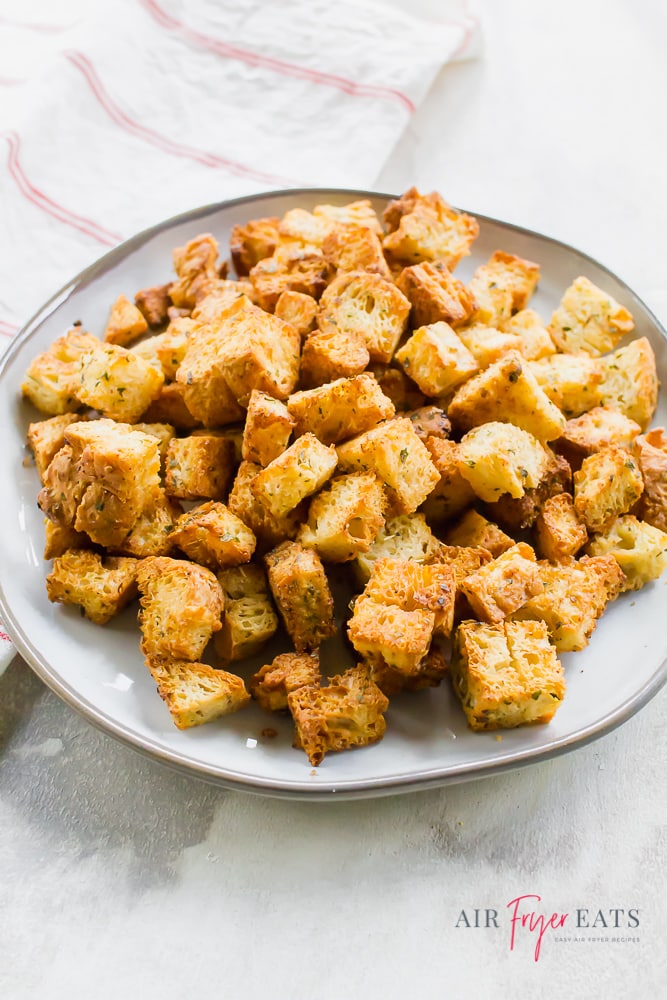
99, 671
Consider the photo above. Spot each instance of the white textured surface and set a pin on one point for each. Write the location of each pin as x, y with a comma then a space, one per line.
120, 879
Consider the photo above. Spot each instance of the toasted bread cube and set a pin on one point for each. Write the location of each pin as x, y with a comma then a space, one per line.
503, 585
588, 320
400, 389
118, 383
51, 383
391, 635
411, 585
452, 493
163, 433
353, 248
630, 381
366, 304
270, 530
205, 390
472, 530
170, 408
436, 359
435, 294
651, 452
517, 514
151, 534
59, 538
63, 488
268, 428
608, 484
291, 268
302, 227
426, 228
356, 213
212, 536
196, 267
46, 438
101, 587
507, 390
573, 382
506, 675
340, 409
431, 671
169, 347
429, 421
220, 296
463, 559
153, 303
332, 355
487, 344
403, 537
502, 286
249, 620
344, 519
301, 591
572, 597
640, 550
299, 310
536, 340
345, 714
288, 672
199, 467
296, 474
399, 458
253, 242
599, 428
195, 693
181, 605
498, 458
125, 323
559, 529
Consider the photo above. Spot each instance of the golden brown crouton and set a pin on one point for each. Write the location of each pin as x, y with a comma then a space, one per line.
181, 605
502, 286
355, 213
404, 537
332, 355
249, 620
253, 242
167, 348
63, 489
344, 519
151, 534
205, 390
288, 672
153, 303
474, 530
46, 438
125, 323
341, 409
163, 433
353, 248
651, 453
536, 342
292, 268
299, 310
118, 383
295, 475
589, 320
452, 493
639, 549
267, 430
599, 428
516, 514
608, 484
51, 383
572, 597
388, 634
195, 265
559, 529
430, 673
199, 466
400, 389
195, 693
426, 228
170, 408
503, 585
411, 585
298, 226
212, 536
366, 304
436, 359
630, 381
101, 587
497, 458
488, 344
220, 296
301, 591
269, 530
429, 421
347, 713
571, 381
59, 538
506, 675
435, 294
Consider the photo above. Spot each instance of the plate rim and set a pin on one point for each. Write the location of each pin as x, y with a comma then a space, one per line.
289, 788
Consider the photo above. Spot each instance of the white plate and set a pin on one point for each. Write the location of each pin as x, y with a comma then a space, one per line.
99, 671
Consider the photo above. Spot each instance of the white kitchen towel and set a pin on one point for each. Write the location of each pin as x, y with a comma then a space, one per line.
115, 114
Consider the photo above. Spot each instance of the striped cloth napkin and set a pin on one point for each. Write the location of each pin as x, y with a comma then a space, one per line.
120, 113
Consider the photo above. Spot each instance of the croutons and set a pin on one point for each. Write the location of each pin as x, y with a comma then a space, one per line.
503, 585
435, 294
651, 452
474, 530
347, 713
503, 286
291, 268
588, 320
344, 519
354, 248
151, 534
301, 591
249, 620
195, 693
426, 228
253, 242
181, 605
429, 421
63, 488
100, 587
571, 381
170, 408
630, 381
405, 537
59, 538
299, 226
242, 501
341, 409
355, 213
497, 458
559, 529
436, 359
46, 438
463, 559
221, 295
411, 585
488, 344
202, 380
212, 536
599, 428
536, 342
506, 675
296, 474
509, 391
199, 467
51, 383
430, 673
387, 633
366, 304
153, 303
169, 347
118, 383
400, 389
267, 430
452, 493
608, 484
299, 310
125, 323
196, 268
640, 550
332, 354
517, 514
288, 672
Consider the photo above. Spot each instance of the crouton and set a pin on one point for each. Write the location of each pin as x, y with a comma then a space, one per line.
356, 213
472, 530
630, 381
267, 430
296, 474
302, 227
488, 344
167, 348
249, 620
347, 713
430, 673
404, 537
599, 428
299, 310
269, 530
411, 585
497, 458
212, 536
153, 303
651, 453
199, 467
429, 230
588, 320
608, 484
301, 591
353, 248
517, 514
205, 390
253, 242
572, 597
221, 296
163, 433
640, 550
536, 342
170, 408
435, 294
195, 693
503, 585
51, 383
196, 268
63, 488
506, 675
59, 538
573, 382
400, 389
429, 421
181, 605
559, 530
151, 533
292, 268
452, 493
332, 355
391, 635
502, 286
340, 409
46, 438
344, 519
100, 587
288, 672
125, 323
366, 304
436, 359
118, 383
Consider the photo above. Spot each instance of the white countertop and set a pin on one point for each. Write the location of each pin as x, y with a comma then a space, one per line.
119, 878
